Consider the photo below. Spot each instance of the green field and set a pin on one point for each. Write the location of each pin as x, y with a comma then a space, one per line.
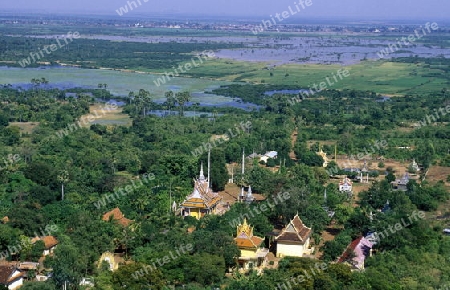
384, 77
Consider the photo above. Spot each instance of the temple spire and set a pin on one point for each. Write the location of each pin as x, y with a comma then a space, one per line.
209, 167
243, 161
202, 176
250, 198
242, 177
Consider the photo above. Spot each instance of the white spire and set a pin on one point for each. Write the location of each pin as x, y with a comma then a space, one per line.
209, 167
250, 196
202, 176
242, 177
243, 161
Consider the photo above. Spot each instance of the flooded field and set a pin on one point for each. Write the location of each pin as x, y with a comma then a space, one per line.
118, 83
325, 50
287, 49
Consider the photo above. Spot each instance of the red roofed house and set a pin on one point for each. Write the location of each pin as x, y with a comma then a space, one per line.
11, 277
252, 255
118, 216
294, 239
50, 243
356, 253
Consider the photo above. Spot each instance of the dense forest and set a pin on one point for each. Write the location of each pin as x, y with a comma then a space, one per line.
91, 163
93, 53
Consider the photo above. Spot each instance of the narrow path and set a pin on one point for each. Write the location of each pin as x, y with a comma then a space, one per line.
294, 137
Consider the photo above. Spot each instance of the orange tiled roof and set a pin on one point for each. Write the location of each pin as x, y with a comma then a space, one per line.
245, 237
117, 216
295, 232
246, 242
49, 241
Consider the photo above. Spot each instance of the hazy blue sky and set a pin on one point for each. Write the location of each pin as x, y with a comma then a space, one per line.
356, 9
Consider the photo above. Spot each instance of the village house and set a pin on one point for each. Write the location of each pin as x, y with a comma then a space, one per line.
294, 239
269, 155
117, 215
356, 253
346, 185
11, 277
50, 243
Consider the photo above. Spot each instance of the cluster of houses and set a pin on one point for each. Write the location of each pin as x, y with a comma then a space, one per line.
13, 274
292, 241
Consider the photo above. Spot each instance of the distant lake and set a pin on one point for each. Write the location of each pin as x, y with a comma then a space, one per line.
119, 83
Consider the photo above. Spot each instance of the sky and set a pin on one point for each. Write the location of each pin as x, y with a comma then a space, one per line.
431, 10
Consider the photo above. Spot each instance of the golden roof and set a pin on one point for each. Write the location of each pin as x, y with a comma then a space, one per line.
202, 196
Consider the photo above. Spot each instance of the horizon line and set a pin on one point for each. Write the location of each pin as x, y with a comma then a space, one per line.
177, 14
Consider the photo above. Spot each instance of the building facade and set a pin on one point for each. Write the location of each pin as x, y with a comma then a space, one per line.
252, 254
293, 240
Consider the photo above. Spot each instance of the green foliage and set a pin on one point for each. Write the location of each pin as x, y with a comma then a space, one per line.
104, 158
125, 278
36, 251
38, 286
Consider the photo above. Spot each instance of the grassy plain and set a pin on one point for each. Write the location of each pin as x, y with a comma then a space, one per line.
383, 77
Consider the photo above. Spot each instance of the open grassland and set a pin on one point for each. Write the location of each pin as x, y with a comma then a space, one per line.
115, 117
383, 77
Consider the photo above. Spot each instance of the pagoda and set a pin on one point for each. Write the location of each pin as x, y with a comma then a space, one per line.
202, 200
252, 254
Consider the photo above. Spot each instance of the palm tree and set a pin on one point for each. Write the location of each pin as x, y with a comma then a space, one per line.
131, 96
182, 98
195, 106
100, 86
104, 86
170, 100
63, 177
145, 99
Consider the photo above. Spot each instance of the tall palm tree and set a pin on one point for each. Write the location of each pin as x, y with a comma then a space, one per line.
170, 100
145, 99
196, 106
131, 97
63, 177
182, 98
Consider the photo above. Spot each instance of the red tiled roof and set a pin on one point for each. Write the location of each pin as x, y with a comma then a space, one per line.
6, 272
295, 232
350, 249
50, 241
358, 251
118, 216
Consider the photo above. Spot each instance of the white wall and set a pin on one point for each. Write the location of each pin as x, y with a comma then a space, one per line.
284, 250
16, 284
